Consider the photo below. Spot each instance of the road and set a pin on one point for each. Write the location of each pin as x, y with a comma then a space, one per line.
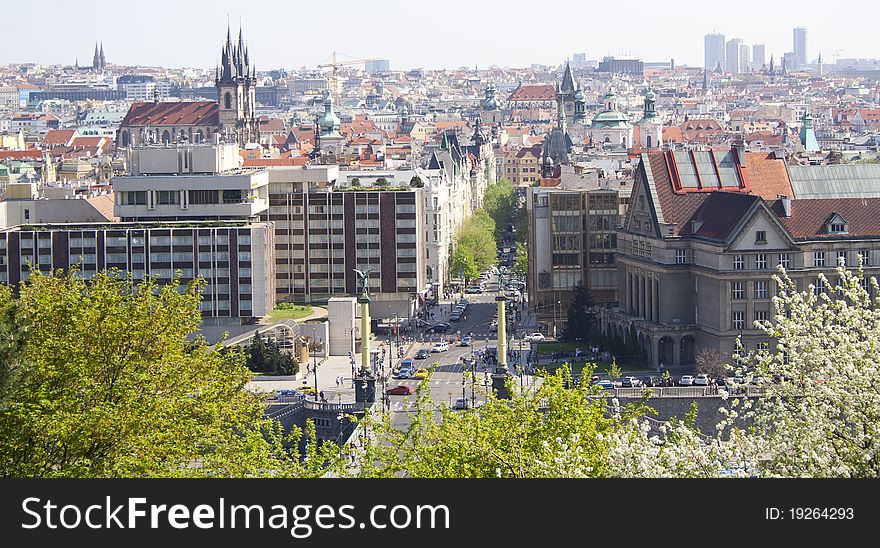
447, 381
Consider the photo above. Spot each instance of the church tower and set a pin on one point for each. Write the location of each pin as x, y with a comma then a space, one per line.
650, 126
236, 94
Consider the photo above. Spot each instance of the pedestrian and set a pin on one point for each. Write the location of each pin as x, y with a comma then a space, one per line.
322, 396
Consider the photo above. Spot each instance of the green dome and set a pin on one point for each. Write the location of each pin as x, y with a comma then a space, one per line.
579, 96
649, 95
329, 122
611, 119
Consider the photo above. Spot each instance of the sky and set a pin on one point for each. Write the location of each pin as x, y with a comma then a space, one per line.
416, 33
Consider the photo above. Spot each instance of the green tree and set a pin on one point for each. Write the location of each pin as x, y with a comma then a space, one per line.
116, 387
475, 239
462, 264
13, 331
521, 265
267, 357
580, 315
502, 204
554, 432
416, 182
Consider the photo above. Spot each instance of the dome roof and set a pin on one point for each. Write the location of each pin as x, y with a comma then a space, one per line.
328, 122
650, 94
611, 118
579, 96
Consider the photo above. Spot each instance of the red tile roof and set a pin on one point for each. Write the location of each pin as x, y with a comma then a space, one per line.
59, 137
21, 154
808, 217
767, 176
533, 93
184, 113
272, 162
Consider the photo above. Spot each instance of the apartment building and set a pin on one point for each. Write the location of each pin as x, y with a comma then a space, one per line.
704, 235
522, 166
234, 257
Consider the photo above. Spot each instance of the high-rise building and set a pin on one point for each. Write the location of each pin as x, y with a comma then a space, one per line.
743, 58
733, 56
713, 47
377, 65
758, 58
799, 39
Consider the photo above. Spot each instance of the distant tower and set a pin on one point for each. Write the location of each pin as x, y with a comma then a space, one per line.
101, 55
98, 58
580, 107
236, 92
808, 134
820, 64
490, 111
650, 126
328, 124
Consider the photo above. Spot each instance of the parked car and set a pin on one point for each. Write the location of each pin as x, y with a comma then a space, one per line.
701, 380
652, 381
455, 316
474, 289
422, 353
534, 337
604, 384
441, 327
462, 403
307, 390
630, 382
421, 373
440, 347
401, 390
287, 393
686, 380
466, 341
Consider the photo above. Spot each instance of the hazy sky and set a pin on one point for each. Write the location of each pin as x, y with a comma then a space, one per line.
415, 33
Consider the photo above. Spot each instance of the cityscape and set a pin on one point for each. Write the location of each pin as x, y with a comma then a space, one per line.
614, 265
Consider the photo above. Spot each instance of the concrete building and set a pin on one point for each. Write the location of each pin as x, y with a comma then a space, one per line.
758, 57
572, 238
234, 257
522, 166
713, 51
201, 182
377, 65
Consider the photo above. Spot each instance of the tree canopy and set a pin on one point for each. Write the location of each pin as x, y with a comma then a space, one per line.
475, 249
580, 315
502, 204
115, 386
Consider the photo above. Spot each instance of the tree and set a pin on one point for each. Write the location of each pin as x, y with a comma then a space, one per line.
521, 265
116, 387
13, 331
381, 181
709, 362
463, 263
267, 357
475, 244
580, 315
356, 182
416, 182
502, 204
555, 432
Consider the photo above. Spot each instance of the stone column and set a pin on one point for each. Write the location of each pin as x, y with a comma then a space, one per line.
656, 302
502, 373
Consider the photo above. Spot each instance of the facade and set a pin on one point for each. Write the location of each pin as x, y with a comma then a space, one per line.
705, 233
377, 65
732, 56
611, 128
169, 183
322, 236
523, 166
621, 66
572, 238
799, 45
713, 51
532, 103
650, 125
235, 258
758, 56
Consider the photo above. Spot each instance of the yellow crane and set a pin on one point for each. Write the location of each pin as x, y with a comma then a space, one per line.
334, 64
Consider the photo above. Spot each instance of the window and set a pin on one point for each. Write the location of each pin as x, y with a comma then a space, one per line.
763, 347
166, 197
837, 228
739, 262
761, 289
681, 256
761, 237
737, 290
820, 287
864, 257
760, 315
818, 258
739, 320
27, 214
761, 261
784, 260
138, 197
841, 258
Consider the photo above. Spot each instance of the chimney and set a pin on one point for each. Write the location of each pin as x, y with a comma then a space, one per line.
786, 205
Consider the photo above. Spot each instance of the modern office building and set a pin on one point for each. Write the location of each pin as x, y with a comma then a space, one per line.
799, 46
713, 51
732, 56
758, 56
377, 65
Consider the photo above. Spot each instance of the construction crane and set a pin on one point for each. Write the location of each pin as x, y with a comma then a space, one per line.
334, 64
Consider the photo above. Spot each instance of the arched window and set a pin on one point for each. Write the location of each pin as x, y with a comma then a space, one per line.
166, 137
199, 136
123, 138
227, 100
648, 141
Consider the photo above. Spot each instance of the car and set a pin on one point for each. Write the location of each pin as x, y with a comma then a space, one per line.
686, 380
421, 373
401, 390
652, 381
466, 341
287, 393
455, 316
511, 294
404, 373
701, 380
474, 289
307, 390
630, 382
461, 403
440, 347
422, 353
534, 337
604, 384
441, 327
